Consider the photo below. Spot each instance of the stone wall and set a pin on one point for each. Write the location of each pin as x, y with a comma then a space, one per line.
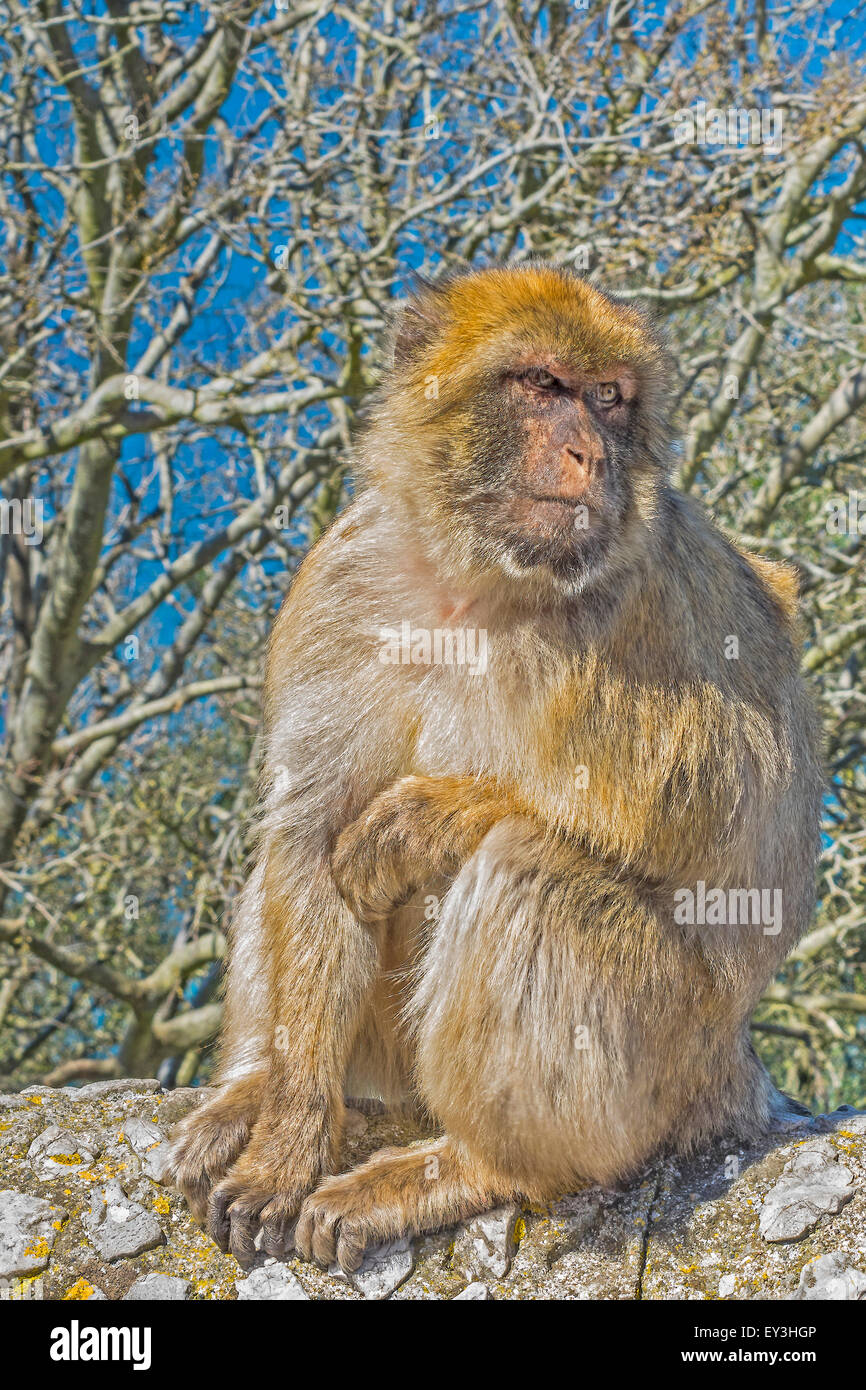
83, 1216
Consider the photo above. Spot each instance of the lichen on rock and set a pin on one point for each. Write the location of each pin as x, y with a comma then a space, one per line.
83, 1217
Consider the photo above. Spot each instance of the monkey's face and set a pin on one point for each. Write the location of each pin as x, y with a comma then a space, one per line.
549, 461
525, 425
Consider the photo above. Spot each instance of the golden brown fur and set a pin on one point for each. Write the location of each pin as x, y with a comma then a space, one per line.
553, 1015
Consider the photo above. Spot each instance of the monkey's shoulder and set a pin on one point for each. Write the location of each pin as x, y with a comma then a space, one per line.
334, 568
780, 580
330, 619
769, 589
721, 570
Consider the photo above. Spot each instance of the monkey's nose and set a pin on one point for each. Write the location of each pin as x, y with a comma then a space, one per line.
578, 466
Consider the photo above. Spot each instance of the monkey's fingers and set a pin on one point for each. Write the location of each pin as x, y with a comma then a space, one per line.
243, 1228
369, 904
206, 1145
242, 1205
414, 831
217, 1222
367, 880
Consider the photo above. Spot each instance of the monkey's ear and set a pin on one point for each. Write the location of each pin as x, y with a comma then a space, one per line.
414, 326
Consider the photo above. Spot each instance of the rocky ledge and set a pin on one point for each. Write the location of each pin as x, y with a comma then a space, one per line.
83, 1216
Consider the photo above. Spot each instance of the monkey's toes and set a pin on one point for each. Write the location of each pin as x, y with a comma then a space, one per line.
278, 1220
233, 1221
331, 1228
237, 1210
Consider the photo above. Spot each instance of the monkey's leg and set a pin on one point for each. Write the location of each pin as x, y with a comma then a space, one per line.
396, 1192
320, 965
565, 1029
210, 1139
382, 1059
415, 829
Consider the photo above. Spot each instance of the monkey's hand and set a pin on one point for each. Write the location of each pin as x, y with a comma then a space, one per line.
410, 833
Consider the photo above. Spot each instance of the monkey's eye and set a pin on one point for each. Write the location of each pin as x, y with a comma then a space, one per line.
540, 377
607, 393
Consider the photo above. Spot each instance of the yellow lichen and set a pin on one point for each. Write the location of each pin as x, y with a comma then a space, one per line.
39, 1250
80, 1290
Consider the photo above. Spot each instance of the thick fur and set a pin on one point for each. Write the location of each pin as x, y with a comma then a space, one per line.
553, 1017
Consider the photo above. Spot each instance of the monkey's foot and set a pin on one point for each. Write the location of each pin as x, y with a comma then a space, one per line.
242, 1205
264, 1190
395, 1193
209, 1141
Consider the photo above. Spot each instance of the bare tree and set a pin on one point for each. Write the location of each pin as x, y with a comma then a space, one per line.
205, 227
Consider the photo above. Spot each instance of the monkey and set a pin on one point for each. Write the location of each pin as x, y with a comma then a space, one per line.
472, 881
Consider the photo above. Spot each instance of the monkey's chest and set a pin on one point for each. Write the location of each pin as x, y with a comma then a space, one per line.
477, 724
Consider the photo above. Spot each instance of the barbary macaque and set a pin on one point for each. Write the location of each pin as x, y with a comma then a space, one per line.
638, 736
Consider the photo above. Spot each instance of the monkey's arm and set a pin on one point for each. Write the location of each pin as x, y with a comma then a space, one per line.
414, 831
302, 968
